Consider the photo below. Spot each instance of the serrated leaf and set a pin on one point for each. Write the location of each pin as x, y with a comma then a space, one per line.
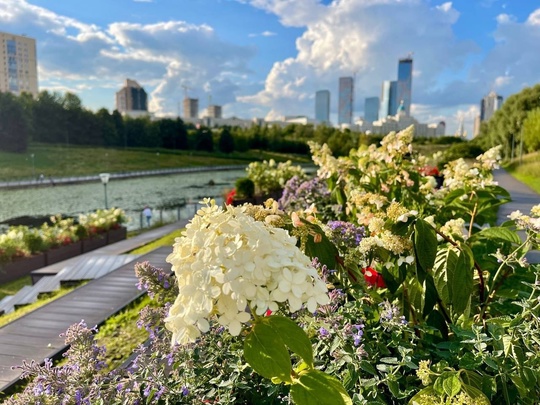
316, 387
293, 336
499, 233
266, 352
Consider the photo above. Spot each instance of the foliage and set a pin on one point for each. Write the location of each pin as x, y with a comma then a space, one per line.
269, 176
245, 188
505, 126
14, 124
20, 241
531, 130
526, 170
428, 300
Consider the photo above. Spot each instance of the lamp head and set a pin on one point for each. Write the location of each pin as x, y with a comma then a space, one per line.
104, 177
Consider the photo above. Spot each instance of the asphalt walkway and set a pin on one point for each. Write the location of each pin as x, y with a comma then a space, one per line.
36, 336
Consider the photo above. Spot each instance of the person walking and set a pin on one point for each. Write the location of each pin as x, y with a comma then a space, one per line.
147, 212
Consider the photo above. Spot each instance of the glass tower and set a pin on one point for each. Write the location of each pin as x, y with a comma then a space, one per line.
346, 97
371, 109
404, 84
322, 106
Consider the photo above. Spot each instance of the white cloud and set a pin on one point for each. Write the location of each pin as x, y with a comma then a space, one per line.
263, 34
161, 57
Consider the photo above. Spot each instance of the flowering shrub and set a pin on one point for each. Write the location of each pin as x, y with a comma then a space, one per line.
21, 241
400, 293
270, 177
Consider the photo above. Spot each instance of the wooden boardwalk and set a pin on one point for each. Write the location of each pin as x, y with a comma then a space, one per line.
36, 336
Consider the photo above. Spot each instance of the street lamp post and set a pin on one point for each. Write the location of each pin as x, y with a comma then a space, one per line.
105, 179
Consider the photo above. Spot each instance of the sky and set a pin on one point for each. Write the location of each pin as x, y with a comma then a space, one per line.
267, 58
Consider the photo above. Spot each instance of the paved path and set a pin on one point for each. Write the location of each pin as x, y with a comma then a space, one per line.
523, 199
36, 335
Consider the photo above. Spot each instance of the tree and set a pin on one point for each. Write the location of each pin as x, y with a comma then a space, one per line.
120, 127
14, 126
49, 118
204, 140
504, 128
107, 128
226, 141
531, 131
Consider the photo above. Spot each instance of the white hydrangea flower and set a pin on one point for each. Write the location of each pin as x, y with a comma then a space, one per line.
227, 264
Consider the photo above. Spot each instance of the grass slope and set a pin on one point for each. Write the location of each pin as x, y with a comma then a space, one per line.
57, 161
528, 171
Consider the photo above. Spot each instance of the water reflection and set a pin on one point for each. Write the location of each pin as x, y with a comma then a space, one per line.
129, 194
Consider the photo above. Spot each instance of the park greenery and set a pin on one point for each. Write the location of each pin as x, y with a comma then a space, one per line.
366, 284
515, 125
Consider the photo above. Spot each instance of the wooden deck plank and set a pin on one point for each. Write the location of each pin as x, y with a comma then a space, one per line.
36, 335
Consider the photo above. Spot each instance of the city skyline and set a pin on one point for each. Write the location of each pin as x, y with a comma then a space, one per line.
272, 64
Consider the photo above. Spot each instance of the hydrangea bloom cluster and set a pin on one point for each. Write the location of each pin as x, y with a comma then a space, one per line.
269, 176
227, 263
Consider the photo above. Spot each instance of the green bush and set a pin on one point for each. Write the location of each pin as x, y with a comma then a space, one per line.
462, 150
245, 188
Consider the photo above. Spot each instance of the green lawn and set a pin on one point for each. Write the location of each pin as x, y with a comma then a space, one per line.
528, 171
56, 160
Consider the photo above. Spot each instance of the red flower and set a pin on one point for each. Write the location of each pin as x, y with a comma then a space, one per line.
430, 171
373, 278
230, 197
268, 312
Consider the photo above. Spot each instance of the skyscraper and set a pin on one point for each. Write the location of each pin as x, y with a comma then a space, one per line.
322, 107
132, 97
393, 104
384, 106
18, 64
371, 109
404, 84
191, 107
214, 111
346, 99
489, 104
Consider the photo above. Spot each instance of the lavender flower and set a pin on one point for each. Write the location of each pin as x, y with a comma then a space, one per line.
345, 235
299, 194
390, 317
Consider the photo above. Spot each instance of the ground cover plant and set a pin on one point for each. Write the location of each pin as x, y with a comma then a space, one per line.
384, 289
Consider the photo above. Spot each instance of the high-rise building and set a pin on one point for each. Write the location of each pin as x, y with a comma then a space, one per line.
191, 107
346, 100
489, 104
132, 97
371, 109
322, 107
214, 111
384, 106
404, 84
393, 104
18, 64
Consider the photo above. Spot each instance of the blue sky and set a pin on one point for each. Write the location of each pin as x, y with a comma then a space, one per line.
266, 58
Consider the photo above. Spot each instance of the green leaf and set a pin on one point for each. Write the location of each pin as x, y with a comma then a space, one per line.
316, 387
499, 233
460, 279
293, 336
425, 244
451, 385
266, 352
324, 250
445, 258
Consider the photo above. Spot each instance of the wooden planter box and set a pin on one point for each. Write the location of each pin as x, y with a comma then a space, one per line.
60, 253
21, 267
94, 242
116, 235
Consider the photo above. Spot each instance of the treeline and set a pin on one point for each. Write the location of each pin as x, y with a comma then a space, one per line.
515, 124
61, 119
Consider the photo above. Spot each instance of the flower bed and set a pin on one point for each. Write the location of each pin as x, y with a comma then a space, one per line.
21, 246
380, 288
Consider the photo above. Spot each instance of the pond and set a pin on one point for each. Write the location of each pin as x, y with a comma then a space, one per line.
132, 195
